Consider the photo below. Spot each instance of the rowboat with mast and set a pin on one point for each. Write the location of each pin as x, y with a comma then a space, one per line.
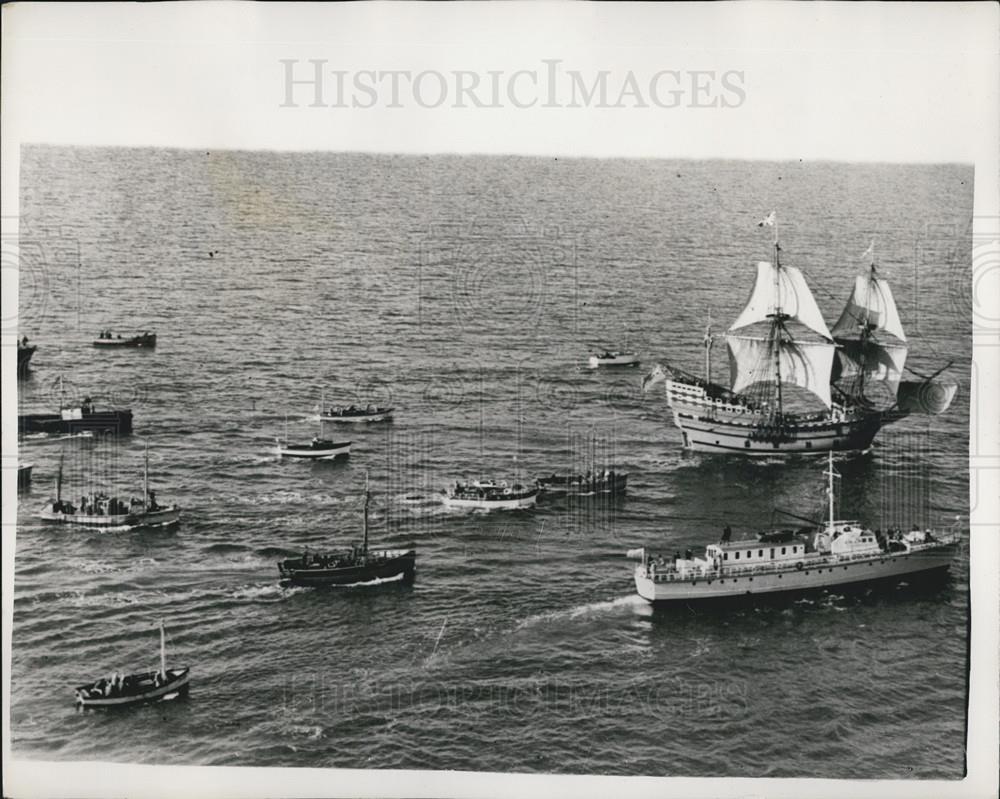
118, 690
840, 553
358, 565
102, 510
780, 339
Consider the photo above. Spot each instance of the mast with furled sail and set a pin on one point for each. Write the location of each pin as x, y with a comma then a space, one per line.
871, 343
761, 361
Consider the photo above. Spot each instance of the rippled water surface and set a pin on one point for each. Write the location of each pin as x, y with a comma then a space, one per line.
466, 292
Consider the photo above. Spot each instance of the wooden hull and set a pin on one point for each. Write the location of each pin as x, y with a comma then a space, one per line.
143, 691
24, 356
491, 504
382, 416
117, 423
584, 488
309, 452
823, 573
719, 426
398, 564
157, 518
135, 342
620, 360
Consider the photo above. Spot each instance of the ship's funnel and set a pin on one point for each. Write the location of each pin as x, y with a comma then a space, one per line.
636, 554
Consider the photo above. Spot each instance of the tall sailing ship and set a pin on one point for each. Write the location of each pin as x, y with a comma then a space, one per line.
780, 339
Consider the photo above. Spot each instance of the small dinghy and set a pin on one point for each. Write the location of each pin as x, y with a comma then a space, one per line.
119, 690
613, 358
352, 413
105, 340
318, 449
490, 495
585, 485
356, 566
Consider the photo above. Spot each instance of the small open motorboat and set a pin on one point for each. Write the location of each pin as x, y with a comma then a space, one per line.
106, 341
352, 413
613, 358
585, 485
317, 449
118, 690
358, 565
490, 495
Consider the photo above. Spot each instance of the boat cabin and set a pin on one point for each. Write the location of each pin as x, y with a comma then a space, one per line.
753, 553
847, 538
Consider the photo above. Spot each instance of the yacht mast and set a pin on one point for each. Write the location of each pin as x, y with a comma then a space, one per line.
163, 652
145, 480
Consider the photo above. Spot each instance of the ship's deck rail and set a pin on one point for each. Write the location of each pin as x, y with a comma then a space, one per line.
809, 561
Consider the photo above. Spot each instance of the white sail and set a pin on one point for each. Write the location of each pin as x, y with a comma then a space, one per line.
792, 297
805, 364
878, 361
871, 302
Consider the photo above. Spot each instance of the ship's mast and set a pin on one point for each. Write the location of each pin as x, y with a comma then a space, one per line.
866, 326
59, 476
829, 488
145, 480
777, 324
163, 651
365, 523
708, 349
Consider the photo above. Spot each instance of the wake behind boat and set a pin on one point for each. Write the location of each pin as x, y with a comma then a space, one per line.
117, 690
490, 495
358, 565
841, 553
105, 340
780, 339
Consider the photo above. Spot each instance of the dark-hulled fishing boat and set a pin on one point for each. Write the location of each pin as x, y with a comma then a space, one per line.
77, 419
24, 353
358, 565
584, 485
107, 341
117, 690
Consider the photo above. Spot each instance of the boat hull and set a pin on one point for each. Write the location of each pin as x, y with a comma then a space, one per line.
398, 564
385, 416
621, 360
24, 356
135, 342
178, 684
491, 504
24, 476
582, 488
156, 518
307, 452
117, 423
726, 427
830, 573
